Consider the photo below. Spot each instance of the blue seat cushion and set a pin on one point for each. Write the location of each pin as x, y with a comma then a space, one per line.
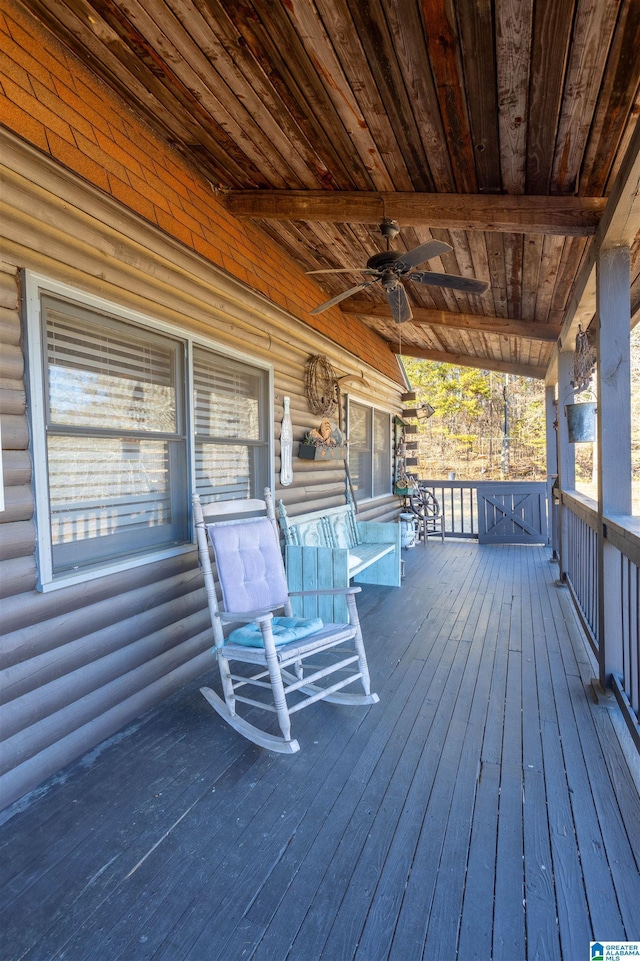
285, 629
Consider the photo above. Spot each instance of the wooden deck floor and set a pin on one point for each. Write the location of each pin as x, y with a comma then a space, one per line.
483, 809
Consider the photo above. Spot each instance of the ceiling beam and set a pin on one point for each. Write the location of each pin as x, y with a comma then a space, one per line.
480, 363
442, 318
618, 227
563, 216
621, 219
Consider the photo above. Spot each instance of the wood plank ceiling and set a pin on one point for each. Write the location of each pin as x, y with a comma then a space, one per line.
497, 127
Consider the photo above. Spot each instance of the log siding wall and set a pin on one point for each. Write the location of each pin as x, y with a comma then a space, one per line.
75, 666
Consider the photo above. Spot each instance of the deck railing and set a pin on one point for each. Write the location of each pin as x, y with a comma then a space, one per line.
459, 503
491, 510
581, 559
624, 536
581, 556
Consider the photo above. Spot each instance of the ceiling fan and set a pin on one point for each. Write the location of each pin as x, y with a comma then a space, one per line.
390, 266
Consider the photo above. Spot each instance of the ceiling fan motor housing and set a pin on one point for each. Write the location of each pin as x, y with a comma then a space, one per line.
384, 260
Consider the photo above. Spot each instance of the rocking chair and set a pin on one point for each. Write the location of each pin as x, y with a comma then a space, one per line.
253, 584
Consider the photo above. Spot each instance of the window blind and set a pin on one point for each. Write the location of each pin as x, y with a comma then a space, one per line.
99, 376
230, 406
116, 456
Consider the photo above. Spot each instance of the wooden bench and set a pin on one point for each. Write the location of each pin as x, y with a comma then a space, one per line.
329, 548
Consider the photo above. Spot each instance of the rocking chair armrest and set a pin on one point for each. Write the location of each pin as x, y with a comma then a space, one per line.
246, 616
326, 590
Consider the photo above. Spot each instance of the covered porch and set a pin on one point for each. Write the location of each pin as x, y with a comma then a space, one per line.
485, 808
178, 172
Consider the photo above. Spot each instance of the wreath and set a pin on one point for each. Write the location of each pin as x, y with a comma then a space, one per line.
322, 386
584, 360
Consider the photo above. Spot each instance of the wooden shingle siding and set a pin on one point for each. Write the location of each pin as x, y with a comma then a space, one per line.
56, 104
79, 662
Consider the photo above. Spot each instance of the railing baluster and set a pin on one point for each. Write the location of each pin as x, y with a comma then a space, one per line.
583, 578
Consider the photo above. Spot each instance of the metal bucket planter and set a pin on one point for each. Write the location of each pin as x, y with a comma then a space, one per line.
581, 422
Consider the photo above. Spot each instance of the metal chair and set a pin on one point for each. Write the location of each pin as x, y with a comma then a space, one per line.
424, 504
254, 592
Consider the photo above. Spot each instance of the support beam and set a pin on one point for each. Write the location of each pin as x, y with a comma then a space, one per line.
562, 216
442, 318
480, 363
551, 414
614, 444
614, 381
566, 451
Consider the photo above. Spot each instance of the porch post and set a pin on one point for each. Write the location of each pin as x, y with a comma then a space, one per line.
613, 298
552, 462
566, 451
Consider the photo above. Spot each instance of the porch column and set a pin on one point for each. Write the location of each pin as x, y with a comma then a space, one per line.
552, 462
566, 451
613, 299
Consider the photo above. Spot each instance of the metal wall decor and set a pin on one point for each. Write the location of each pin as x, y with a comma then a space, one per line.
321, 385
584, 360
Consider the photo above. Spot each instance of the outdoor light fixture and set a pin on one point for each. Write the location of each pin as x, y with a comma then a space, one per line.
422, 412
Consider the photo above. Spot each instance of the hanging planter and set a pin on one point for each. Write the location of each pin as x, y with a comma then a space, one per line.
581, 422
324, 443
313, 452
581, 418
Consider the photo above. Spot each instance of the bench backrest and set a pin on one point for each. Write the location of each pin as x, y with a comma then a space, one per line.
333, 527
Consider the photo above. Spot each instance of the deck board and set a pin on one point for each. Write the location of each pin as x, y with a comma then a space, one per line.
483, 809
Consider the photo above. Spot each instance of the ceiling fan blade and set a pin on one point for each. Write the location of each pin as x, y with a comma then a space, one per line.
432, 248
342, 270
468, 284
343, 296
399, 303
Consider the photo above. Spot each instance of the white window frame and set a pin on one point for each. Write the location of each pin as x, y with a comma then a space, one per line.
36, 284
373, 409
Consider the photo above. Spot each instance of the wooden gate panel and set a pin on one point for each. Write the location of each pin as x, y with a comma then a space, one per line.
512, 513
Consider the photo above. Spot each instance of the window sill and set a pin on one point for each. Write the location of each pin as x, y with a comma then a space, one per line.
81, 576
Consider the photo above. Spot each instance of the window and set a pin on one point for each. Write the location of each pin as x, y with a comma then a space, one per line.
114, 452
369, 451
381, 453
231, 427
